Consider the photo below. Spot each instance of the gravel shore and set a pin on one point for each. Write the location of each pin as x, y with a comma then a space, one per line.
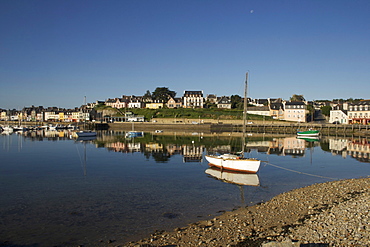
329, 214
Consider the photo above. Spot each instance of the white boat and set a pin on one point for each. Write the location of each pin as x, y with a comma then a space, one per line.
86, 133
234, 162
7, 129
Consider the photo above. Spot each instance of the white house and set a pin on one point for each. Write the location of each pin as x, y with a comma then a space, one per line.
295, 111
338, 117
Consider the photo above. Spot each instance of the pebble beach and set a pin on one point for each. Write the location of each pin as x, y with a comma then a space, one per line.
335, 213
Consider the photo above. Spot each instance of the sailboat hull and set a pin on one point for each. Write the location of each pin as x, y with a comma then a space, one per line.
86, 133
234, 164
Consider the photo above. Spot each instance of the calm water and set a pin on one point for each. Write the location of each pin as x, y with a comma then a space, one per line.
59, 191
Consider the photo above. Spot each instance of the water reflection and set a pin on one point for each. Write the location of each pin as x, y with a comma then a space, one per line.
234, 177
191, 147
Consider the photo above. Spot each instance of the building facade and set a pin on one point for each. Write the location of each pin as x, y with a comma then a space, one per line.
193, 99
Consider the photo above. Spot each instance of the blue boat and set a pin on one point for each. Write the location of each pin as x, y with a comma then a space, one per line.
132, 134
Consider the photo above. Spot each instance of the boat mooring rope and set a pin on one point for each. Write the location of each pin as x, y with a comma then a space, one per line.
304, 173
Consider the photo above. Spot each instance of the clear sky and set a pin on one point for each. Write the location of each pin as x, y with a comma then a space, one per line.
53, 53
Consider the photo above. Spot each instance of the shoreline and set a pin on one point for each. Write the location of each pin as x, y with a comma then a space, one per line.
334, 213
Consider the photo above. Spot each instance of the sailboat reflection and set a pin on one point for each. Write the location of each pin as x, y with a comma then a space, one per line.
237, 178
85, 140
234, 177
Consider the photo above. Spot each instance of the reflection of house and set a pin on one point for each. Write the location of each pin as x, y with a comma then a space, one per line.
124, 147
294, 146
359, 149
192, 153
276, 147
220, 149
338, 147
154, 147
173, 149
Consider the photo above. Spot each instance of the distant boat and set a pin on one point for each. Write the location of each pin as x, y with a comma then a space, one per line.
234, 162
7, 129
132, 134
86, 133
309, 132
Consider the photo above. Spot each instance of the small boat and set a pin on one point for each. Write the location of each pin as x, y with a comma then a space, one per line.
158, 131
132, 134
234, 162
7, 129
309, 132
86, 133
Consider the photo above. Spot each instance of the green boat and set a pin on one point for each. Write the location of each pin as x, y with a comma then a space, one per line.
309, 132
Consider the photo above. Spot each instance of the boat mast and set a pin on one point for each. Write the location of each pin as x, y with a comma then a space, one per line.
245, 112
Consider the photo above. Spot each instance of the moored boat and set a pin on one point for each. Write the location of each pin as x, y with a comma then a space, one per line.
131, 134
234, 162
86, 133
309, 132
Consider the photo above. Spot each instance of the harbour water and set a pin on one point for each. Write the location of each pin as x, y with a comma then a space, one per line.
61, 191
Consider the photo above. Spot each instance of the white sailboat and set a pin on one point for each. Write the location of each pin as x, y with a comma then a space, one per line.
236, 162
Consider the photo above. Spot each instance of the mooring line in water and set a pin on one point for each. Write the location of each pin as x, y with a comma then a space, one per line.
304, 173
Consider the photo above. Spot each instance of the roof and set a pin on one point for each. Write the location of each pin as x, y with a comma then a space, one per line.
295, 103
188, 93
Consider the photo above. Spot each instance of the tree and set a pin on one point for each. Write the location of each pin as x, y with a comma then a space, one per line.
326, 110
235, 101
297, 97
147, 96
162, 94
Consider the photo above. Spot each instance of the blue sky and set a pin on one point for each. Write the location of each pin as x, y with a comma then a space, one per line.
53, 53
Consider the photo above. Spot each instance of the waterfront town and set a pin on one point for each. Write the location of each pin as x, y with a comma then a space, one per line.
296, 109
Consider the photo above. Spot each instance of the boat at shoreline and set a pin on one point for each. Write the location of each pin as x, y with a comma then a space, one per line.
234, 162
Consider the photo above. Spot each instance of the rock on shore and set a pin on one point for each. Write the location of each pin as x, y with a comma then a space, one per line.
329, 214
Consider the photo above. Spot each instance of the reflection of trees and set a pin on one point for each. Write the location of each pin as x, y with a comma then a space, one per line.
161, 157
325, 146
